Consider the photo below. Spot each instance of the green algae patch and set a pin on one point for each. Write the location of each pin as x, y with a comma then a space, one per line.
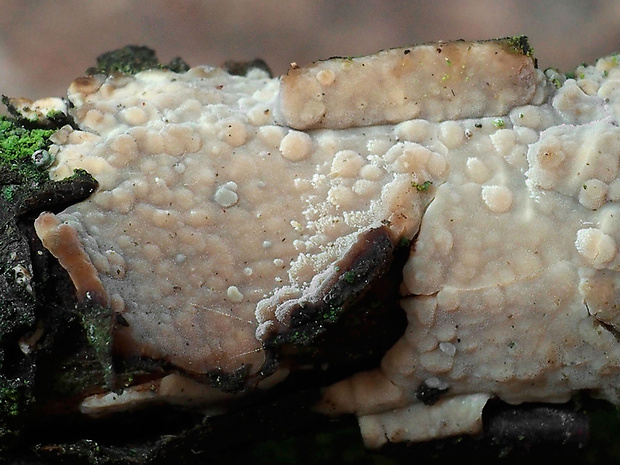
34, 318
132, 59
17, 146
520, 45
97, 324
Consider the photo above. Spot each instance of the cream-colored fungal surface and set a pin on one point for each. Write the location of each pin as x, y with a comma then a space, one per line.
209, 216
218, 204
511, 288
435, 82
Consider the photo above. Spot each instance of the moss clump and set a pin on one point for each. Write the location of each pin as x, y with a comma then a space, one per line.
31, 293
132, 59
8, 193
422, 187
403, 243
97, 323
17, 317
228, 382
15, 397
521, 45
17, 144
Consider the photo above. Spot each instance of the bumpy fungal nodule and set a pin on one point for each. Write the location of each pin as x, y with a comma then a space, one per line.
227, 202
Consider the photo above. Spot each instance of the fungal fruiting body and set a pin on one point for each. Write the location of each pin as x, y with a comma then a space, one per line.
225, 203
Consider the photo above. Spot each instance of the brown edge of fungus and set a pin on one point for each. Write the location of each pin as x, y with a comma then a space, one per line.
63, 243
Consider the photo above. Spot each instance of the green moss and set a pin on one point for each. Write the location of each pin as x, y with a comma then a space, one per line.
132, 59
228, 382
13, 315
422, 187
332, 315
97, 324
404, 242
350, 277
296, 337
520, 44
8, 193
17, 144
11, 398
15, 398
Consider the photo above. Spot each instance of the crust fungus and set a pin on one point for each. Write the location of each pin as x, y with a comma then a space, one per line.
232, 210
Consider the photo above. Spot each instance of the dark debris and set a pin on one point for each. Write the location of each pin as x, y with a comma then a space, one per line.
241, 68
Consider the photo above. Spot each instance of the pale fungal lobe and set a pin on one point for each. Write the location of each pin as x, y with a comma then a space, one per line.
436, 82
223, 197
512, 285
209, 216
40, 111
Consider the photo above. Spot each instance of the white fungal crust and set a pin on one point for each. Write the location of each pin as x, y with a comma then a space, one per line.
209, 217
173, 389
436, 82
40, 111
453, 416
212, 216
512, 285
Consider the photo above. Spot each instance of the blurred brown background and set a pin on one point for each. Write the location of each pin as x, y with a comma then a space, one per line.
44, 44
